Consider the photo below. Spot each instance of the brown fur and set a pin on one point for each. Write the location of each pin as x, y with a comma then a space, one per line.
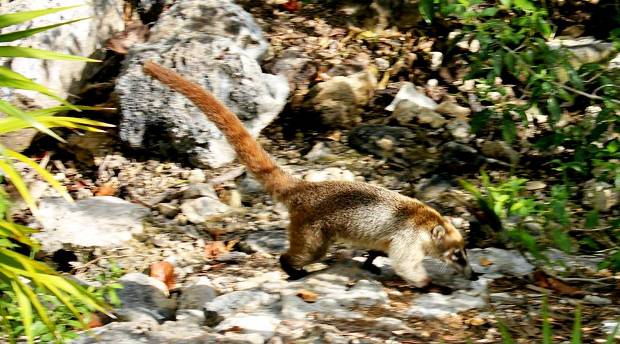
321, 213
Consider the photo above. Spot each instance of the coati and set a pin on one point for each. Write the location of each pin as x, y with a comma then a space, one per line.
367, 216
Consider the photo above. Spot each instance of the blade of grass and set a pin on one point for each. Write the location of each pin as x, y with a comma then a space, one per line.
20, 17
9, 109
19, 184
25, 309
79, 120
13, 51
78, 291
505, 333
19, 260
48, 177
12, 36
546, 328
576, 336
612, 336
31, 86
14, 232
5, 323
40, 310
61, 108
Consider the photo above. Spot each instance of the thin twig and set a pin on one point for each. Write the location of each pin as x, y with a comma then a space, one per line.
89, 263
598, 280
603, 86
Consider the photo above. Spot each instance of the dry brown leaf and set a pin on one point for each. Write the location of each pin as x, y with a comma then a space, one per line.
477, 321
548, 282
292, 6
163, 271
94, 320
484, 261
235, 329
231, 243
307, 295
335, 135
214, 248
106, 189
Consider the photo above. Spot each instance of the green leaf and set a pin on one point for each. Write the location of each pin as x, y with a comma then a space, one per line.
503, 330
509, 128
480, 120
509, 61
20, 17
41, 311
25, 309
555, 112
506, 3
545, 27
48, 177
498, 63
12, 36
10, 110
11, 79
592, 219
562, 240
427, 9
575, 79
576, 336
12, 51
19, 184
489, 12
612, 146
565, 95
524, 5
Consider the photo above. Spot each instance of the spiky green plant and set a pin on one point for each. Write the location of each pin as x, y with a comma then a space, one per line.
21, 275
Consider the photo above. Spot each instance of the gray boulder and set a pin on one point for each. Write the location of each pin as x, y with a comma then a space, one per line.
140, 332
144, 298
102, 221
81, 38
216, 44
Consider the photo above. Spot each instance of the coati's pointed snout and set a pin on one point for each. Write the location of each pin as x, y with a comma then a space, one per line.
458, 260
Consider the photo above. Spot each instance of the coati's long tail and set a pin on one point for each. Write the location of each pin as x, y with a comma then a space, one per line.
249, 151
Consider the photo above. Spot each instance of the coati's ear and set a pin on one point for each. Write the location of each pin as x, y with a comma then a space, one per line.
438, 232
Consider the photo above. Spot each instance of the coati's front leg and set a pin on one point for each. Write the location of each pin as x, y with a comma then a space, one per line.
406, 258
307, 244
368, 265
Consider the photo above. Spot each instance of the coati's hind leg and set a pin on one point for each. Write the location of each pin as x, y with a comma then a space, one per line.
307, 244
368, 265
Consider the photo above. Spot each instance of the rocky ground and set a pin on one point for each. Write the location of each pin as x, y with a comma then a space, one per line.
221, 235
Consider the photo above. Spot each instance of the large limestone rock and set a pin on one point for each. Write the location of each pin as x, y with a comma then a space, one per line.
82, 38
102, 221
217, 44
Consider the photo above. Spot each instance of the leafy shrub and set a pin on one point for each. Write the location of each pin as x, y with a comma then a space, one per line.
578, 99
29, 288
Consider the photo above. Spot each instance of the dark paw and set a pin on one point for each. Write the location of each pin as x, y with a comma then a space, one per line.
297, 274
372, 268
292, 272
